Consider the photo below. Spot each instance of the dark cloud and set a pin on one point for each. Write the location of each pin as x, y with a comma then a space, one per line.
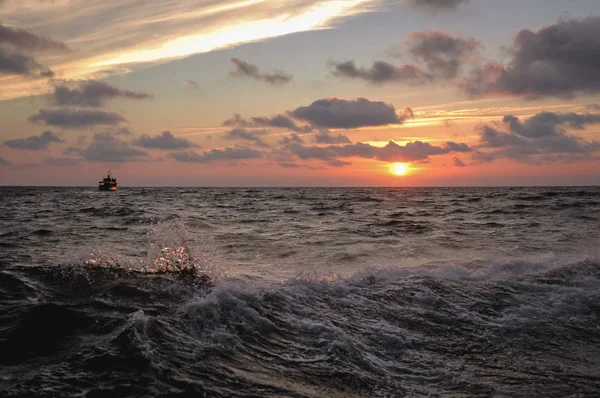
456, 147
21, 64
106, 147
329, 113
93, 93
382, 72
278, 121
458, 163
15, 48
123, 131
492, 138
437, 5
246, 69
215, 155
4, 162
325, 137
560, 60
537, 138
34, 142
484, 157
247, 135
73, 151
54, 161
166, 140
442, 53
392, 152
287, 165
340, 113
75, 118
292, 138
24, 40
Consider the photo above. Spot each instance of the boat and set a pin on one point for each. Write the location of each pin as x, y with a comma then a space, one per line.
108, 183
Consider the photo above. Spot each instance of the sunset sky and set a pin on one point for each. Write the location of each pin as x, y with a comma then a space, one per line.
300, 93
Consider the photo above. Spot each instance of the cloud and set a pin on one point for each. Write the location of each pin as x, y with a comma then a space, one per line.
75, 118
278, 121
286, 165
458, 163
442, 54
215, 155
484, 157
24, 40
292, 138
593, 107
61, 161
15, 48
123, 35
166, 140
122, 131
34, 142
4, 162
392, 152
93, 93
561, 60
340, 113
338, 163
21, 64
382, 72
105, 147
437, 5
246, 135
325, 137
456, 147
246, 69
192, 84
538, 137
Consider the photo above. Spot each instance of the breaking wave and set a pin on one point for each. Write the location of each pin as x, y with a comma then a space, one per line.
380, 332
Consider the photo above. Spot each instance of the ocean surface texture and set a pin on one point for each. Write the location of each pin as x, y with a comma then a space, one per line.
449, 292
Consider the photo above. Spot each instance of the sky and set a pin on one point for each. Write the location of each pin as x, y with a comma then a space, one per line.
300, 93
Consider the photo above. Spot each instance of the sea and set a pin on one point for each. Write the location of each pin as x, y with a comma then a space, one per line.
300, 292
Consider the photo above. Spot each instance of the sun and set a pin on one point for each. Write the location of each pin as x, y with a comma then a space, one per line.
399, 169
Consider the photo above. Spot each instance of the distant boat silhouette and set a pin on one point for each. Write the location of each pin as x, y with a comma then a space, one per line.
108, 183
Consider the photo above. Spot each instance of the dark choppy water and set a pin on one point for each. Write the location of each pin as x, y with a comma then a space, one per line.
491, 292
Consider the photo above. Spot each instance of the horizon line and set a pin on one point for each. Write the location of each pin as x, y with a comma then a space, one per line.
306, 186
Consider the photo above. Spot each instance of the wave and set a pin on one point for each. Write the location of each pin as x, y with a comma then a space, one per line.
516, 327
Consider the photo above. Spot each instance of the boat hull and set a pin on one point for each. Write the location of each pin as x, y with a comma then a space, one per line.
104, 187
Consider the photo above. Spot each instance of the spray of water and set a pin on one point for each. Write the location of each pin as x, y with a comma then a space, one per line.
170, 250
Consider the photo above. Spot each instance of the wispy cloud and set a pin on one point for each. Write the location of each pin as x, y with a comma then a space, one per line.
192, 84
107, 37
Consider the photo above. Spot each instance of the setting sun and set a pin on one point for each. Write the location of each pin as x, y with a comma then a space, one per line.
399, 169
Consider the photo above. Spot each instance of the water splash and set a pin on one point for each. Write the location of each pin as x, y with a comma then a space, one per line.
170, 250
